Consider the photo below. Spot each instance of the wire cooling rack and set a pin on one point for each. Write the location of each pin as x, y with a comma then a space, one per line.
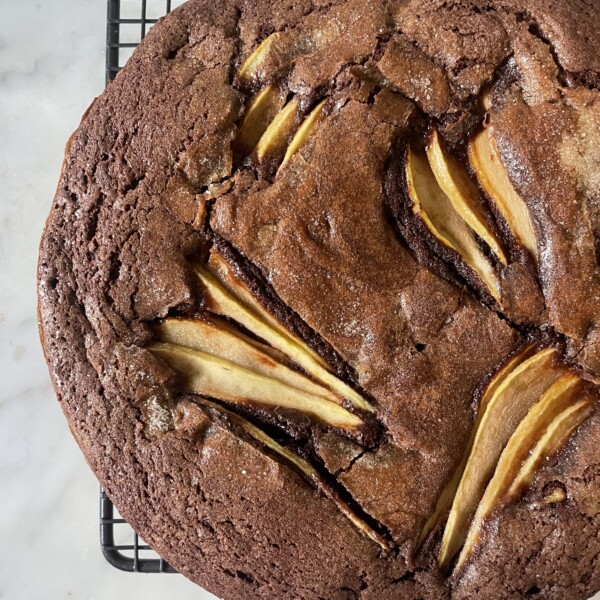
127, 23
121, 545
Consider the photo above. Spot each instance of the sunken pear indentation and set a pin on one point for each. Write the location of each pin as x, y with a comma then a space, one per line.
526, 412
220, 361
485, 160
305, 467
433, 207
274, 127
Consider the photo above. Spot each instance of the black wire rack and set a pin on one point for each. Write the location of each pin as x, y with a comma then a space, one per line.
127, 23
121, 545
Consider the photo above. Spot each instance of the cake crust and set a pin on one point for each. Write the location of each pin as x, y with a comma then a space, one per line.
329, 245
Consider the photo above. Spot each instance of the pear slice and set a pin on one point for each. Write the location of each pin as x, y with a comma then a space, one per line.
447, 496
248, 72
555, 496
264, 107
223, 272
229, 297
279, 132
220, 339
512, 394
433, 206
545, 417
455, 182
302, 465
485, 159
222, 379
555, 436
443, 503
304, 131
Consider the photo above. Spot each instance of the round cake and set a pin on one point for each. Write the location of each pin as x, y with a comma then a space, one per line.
320, 297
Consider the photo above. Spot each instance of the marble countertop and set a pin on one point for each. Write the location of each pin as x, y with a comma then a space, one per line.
51, 67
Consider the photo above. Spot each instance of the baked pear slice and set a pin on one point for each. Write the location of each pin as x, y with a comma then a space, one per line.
217, 337
505, 404
303, 466
304, 131
279, 133
437, 212
218, 266
218, 378
264, 107
229, 297
541, 432
555, 496
455, 182
447, 496
249, 71
554, 437
486, 162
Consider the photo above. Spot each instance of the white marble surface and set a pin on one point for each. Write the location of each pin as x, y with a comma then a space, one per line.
51, 66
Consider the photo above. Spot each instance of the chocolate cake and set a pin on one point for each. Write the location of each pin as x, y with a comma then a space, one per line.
320, 297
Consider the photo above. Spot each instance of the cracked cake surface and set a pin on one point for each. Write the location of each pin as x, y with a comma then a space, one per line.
319, 294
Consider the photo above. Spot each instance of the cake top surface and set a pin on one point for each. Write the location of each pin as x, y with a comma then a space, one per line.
283, 147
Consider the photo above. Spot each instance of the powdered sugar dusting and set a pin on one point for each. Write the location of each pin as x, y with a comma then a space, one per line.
157, 416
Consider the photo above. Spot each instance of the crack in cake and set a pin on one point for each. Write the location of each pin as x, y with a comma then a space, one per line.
319, 294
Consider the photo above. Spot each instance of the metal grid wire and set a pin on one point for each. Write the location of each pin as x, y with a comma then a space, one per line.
127, 23
121, 545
